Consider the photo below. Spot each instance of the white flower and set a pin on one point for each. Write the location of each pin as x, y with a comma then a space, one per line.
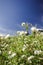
9, 52
33, 29
7, 36
23, 56
23, 24
22, 32
25, 32
37, 52
24, 47
29, 58
0, 51
11, 56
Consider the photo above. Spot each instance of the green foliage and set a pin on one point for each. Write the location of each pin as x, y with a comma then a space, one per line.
21, 50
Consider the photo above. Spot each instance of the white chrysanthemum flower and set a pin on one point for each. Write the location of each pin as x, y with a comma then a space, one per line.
0, 51
37, 52
33, 29
11, 56
22, 32
9, 52
7, 36
29, 58
23, 56
25, 32
23, 24
24, 47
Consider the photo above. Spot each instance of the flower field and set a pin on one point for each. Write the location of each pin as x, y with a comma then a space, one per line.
21, 50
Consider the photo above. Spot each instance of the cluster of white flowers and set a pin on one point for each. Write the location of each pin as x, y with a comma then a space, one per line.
23, 24
11, 56
37, 52
21, 32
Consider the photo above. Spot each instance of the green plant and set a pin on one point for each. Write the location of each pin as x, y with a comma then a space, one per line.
21, 50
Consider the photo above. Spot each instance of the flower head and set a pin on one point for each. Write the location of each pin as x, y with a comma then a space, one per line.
9, 52
23, 56
11, 56
29, 58
24, 47
25, 32
33, 29
37, 52
23, 24
0, 51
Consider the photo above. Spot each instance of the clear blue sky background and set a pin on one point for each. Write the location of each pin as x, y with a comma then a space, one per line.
14, 12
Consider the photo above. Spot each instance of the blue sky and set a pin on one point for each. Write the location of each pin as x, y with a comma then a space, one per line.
14, 12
